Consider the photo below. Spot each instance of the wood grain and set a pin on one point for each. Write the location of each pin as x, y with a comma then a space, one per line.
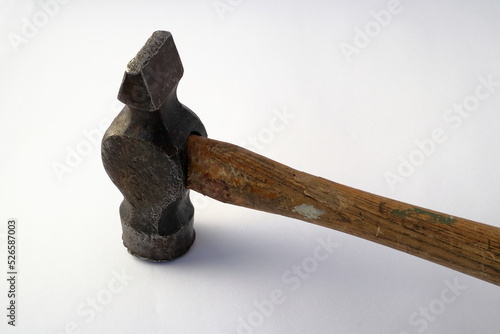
234, 175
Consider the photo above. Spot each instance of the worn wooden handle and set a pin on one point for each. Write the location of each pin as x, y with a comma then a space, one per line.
234, 175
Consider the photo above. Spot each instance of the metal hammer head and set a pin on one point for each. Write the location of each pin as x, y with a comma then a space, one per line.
144, 153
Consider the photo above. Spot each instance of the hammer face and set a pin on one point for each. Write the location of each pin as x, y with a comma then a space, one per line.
159, 247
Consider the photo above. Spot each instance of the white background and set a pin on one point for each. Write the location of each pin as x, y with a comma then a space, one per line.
351, 117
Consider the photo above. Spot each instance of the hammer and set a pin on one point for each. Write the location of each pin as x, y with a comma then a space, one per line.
156, 149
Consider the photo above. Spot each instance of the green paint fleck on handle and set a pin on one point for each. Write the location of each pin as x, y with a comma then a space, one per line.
436, 218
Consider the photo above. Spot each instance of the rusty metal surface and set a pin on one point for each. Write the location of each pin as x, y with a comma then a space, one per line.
144, 153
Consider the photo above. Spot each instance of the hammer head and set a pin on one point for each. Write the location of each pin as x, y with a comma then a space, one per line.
144, 153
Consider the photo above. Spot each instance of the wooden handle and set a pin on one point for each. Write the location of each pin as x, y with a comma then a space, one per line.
234, 175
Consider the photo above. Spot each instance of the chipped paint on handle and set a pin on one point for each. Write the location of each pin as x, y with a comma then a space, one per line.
308, 211
436, 218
